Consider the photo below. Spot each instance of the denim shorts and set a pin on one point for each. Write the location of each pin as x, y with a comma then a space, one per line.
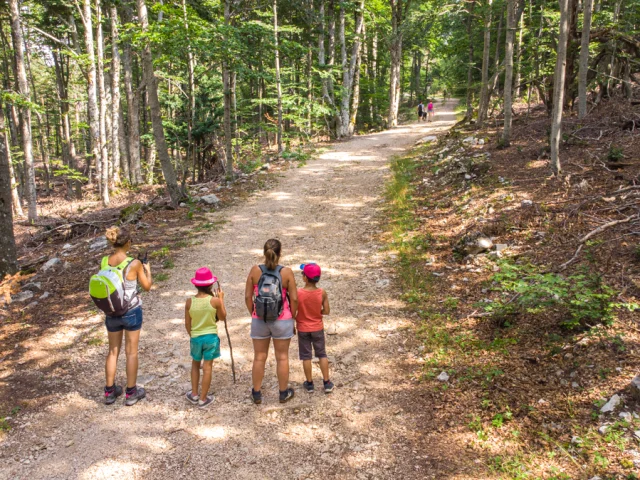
205, 347
278, 329
130, 321
306, 340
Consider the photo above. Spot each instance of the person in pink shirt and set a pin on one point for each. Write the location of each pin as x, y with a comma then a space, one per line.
272, 300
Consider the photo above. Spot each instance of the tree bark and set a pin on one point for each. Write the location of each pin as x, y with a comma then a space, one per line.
62, 83
226, 86
349, 68
92, 99
558, 87
118, 149
397, 16
508, 75
484, 88
102, 112
518, 74
278, 84
331, 48
355, 99
25, 111
151, 84
133, 111
191, 111
584, 59
469, 100
8, 254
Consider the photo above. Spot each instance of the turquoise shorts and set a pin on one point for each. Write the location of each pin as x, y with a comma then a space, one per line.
205, 347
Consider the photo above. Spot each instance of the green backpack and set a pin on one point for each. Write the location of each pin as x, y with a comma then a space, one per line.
106, 288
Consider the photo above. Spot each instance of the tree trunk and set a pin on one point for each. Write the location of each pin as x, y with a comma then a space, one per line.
278, 84
226, 86
102, 113
92, 99
133, 109
484, 88
118, 152
8, 254
584, 59
355, 100
349, 69
558, 87
331, 47
156, 115
397, 12
191, 110
62, 83
25, 111
373, 110
17, 205
518, 76
508, 75
469, 114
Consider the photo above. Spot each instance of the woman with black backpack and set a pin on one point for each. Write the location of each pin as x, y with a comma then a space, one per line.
271, 297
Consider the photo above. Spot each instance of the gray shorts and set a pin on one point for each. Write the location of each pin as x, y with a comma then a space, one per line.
278, 329
307, 340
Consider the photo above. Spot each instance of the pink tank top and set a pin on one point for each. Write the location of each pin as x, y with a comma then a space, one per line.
286, 311
430, 106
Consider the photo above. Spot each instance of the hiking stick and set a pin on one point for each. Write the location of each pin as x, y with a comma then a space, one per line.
226, 329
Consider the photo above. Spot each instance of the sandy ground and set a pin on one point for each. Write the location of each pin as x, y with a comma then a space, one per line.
329, 212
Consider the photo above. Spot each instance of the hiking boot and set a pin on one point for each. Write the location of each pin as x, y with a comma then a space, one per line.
328, 386
204, 404
308, 386
256, 397
287, 395
193, 399
137, 394
110, 397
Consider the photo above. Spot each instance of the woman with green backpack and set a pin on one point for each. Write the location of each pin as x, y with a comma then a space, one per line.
115, 291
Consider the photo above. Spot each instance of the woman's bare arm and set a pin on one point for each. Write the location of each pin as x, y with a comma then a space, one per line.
248, 290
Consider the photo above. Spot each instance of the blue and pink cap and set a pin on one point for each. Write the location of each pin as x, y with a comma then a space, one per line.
311, 271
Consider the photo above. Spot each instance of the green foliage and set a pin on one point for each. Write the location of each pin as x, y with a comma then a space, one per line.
615, 154
161, 277
65, 171
583, 299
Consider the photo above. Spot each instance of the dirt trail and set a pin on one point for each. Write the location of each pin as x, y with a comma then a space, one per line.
328, 212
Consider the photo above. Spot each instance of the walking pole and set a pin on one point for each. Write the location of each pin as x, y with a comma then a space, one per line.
226, 329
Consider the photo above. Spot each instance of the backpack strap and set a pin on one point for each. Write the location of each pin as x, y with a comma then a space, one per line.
104, 263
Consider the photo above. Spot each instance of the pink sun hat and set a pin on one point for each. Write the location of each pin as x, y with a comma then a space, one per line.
204, 278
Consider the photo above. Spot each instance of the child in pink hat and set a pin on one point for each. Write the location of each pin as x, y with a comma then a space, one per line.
201, 312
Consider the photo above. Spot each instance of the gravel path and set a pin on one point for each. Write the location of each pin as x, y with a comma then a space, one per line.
328, 212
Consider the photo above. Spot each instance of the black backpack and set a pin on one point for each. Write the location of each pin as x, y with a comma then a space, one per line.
269, 302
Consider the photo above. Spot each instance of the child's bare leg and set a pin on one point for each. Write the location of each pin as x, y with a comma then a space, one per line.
306, 365
131, 340
207, 366
324, 368
115, 342
195, 377
260, 352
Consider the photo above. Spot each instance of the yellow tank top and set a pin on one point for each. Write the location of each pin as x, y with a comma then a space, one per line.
203, 317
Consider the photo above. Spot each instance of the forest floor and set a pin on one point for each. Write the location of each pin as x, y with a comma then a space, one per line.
331, 211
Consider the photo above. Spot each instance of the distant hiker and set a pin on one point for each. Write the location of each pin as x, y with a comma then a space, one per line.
430, 111
201, 312
272, 300
313, 303
420, 111
115, 291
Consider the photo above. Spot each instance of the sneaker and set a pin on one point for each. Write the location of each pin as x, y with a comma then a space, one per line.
192, 398
308, 386
256, 397
133, 397
328, 386
287, 395
205, 403
110, 397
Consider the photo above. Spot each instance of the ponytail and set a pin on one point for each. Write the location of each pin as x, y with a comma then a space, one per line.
272, 253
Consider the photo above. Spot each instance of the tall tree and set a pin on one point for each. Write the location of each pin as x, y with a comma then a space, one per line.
508, 75
278, 82
349, 67
8, 257
484, 86
151, 83
118, 147
470, 65
399, 9
102, 112
584, 59
92, 94
25, 110
558, 87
